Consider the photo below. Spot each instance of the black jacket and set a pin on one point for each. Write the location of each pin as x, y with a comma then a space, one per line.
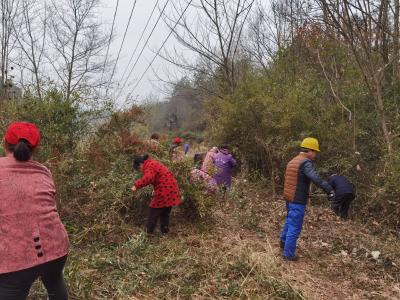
341, 185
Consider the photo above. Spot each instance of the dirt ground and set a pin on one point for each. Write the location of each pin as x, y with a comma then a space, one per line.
336, 257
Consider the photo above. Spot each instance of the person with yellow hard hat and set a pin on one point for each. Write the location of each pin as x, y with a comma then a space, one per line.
300, 172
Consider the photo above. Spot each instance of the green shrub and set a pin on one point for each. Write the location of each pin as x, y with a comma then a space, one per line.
95, 181
62, 123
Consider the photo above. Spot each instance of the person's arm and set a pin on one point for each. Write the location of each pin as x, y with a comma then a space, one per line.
148, 178
332, 182
212, 158
312, 174
233, 162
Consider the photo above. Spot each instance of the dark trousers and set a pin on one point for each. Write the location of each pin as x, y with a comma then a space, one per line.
16, 285
341, 204
153, 216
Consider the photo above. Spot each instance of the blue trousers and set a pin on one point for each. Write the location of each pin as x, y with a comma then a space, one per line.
292, 228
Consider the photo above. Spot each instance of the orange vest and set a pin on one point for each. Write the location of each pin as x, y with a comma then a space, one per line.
291, 176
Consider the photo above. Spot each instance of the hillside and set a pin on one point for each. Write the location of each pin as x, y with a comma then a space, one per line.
236, 256
109, 82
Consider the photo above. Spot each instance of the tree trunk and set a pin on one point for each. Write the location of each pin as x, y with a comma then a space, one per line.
380, 107
384, 31
396, 71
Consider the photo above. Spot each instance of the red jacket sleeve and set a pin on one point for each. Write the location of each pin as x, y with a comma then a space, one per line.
148, 178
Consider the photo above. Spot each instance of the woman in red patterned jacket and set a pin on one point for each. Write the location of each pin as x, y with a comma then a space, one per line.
166, 191
33, 241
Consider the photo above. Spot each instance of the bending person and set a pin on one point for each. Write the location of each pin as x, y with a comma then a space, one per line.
225, 163
34, 242
166, 191
344, 194
198, 175
208, 162
176, 150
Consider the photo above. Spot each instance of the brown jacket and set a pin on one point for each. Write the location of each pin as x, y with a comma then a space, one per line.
300, 172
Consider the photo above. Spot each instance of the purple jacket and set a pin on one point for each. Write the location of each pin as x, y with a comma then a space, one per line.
186, 147
225, 163
31, 232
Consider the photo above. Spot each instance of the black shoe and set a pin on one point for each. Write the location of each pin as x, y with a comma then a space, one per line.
282, 245
291, 258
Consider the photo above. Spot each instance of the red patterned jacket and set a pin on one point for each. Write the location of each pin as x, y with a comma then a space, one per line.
166, 190
31, 232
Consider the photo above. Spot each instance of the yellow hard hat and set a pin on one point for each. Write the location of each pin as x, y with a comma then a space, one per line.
310, 143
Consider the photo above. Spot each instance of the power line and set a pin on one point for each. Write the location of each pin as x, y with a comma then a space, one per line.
144, 46
159, 50
140, 39
109, 40
122, 44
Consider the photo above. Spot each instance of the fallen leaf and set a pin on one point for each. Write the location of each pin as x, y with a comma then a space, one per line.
375, 254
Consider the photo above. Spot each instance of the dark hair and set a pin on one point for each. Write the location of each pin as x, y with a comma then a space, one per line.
21, 151
305, 150
199, 158
224, 146
139, 160
155, 136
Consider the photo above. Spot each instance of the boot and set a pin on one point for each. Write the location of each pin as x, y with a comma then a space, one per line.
291, 258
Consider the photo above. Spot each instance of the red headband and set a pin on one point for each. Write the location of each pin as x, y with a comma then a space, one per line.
22, 130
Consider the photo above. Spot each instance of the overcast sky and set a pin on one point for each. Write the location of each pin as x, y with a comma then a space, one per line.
149, 84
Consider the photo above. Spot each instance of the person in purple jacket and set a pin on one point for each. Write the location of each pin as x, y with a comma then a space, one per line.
186, 147
224, 162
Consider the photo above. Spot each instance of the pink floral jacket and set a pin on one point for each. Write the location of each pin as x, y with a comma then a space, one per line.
31, 232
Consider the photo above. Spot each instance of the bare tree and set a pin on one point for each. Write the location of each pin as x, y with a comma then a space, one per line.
363, 27
30, 33
268, 31
214, 35
396, 41
78, 44
9, 11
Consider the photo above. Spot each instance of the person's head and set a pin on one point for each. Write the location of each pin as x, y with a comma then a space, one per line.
224, 148
139, 161
21, 139
198, 159
310, 146
155, 136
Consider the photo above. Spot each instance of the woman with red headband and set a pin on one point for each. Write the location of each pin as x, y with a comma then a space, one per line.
33, 241
176, 150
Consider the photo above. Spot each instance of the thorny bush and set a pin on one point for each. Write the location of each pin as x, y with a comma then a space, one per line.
93, 170
95, 181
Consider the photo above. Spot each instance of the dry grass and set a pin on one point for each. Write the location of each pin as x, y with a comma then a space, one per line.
236, 256
190, 264
336, 260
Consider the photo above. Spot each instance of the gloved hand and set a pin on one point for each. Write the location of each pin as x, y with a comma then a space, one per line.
331, 196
